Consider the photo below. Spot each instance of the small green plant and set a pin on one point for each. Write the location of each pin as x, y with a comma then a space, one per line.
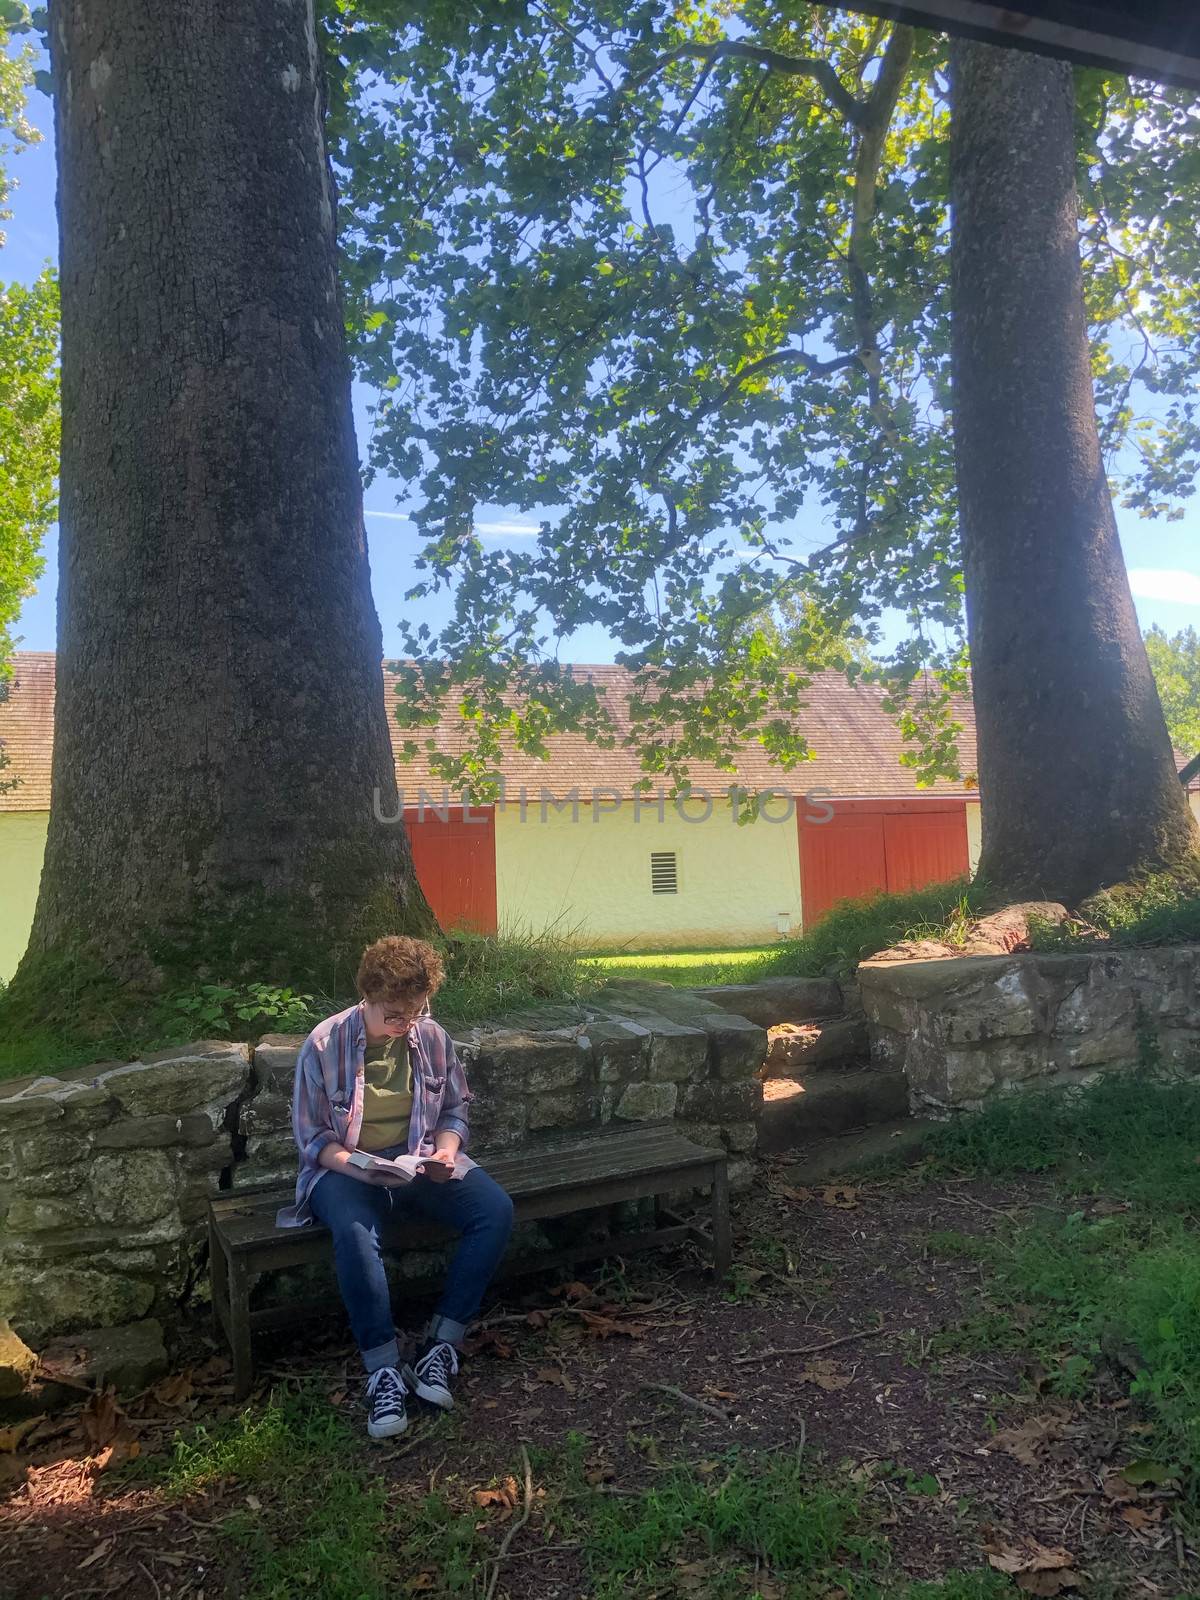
248, 1008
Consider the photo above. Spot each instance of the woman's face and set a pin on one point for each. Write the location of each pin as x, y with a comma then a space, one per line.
390, 1019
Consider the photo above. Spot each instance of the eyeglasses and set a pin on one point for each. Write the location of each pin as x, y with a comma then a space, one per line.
398, 1019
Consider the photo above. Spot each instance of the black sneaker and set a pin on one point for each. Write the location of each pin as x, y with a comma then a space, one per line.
430, 1375
386, 1391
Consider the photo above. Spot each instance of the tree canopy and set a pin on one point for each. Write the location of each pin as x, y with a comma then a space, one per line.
674, 281
29, 404
1175, 660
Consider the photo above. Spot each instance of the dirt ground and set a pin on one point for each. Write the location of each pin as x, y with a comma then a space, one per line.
832, 1339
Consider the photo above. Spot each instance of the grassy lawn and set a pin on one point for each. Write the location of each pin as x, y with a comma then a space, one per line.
968, 1380
686, 968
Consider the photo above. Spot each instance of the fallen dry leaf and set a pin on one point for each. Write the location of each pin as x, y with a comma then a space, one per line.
825, 1374
555, 1375
175, 1390
102, 1416
1026, 1441
422, 1582
1035, 1568
489, 1343
841, 1195
787, 1192
604, 1327
506, 1496
99, 1553
1139, 1517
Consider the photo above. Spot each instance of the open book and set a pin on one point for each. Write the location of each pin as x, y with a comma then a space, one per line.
405, 1168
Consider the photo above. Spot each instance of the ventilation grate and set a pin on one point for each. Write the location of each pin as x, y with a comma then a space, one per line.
664, 872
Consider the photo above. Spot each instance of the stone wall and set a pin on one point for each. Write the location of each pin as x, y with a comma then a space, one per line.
106, 1170
965, 1029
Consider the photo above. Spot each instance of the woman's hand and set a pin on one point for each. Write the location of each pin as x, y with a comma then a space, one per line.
439, 1167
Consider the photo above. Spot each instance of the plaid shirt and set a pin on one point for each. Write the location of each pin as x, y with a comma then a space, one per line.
327, 1100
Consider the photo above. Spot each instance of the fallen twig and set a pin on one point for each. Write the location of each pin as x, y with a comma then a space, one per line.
514, 1529
810, 1349
689, 1400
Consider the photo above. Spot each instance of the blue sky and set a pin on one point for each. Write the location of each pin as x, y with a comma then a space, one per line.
1163, 557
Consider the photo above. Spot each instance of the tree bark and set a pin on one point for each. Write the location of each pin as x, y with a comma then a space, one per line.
1076, 771
220, 726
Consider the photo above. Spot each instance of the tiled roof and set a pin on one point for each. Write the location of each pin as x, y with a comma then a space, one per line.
856, 744
27, 730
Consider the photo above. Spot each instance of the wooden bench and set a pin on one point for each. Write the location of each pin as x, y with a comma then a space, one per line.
553, 1180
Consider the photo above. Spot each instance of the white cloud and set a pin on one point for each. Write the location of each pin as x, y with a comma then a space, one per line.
1166, 583
522, 530
489, 530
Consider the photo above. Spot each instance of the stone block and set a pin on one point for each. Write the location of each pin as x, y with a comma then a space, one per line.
737, 1047
128, 1357
18, 1363
556, 1111
648, 1102
174, 1082
519, 1063
27, 1110
50, 1301
132, 1187
723, 1103
197, 1129
619, 1049
266, 1115
740, 1137
47, 1149
139, 1133
27, 1214
499, 1124
677, 1053
274, 1060
796, 1048
773, 1000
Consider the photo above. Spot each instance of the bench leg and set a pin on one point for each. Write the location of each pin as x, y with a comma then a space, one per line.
722, 1237
218, 1274
239, 1329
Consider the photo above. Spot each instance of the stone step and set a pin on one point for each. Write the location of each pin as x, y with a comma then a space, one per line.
797, 1111
797, 1048
902, 1139
773, 1000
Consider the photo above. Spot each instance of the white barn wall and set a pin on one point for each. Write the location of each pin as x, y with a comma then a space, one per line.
590, 876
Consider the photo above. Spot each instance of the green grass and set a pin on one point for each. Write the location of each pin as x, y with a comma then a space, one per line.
485, 976
1157, 908
849, 932
686, 968
304, 1508
1098, 1286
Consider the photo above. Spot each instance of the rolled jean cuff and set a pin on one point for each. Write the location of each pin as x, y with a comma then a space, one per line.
445, 1330
383, 1355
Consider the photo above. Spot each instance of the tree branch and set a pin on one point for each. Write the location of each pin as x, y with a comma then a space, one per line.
821, 72
777, 358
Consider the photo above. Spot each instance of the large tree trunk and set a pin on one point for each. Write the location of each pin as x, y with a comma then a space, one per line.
220, 725
1075, 767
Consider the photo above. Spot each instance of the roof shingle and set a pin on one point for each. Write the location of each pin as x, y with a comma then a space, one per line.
855, 743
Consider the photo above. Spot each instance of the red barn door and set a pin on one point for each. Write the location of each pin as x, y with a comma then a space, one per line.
455, 863
876, 844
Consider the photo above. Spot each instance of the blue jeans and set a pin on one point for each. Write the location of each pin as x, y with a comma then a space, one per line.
476, 1207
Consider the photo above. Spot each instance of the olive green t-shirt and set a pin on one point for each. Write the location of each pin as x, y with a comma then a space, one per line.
387, 1096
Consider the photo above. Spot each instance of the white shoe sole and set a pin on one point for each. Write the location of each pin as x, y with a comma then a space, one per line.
442, 1398
387, 1430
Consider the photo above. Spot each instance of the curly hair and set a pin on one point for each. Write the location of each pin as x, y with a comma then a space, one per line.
399, 969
